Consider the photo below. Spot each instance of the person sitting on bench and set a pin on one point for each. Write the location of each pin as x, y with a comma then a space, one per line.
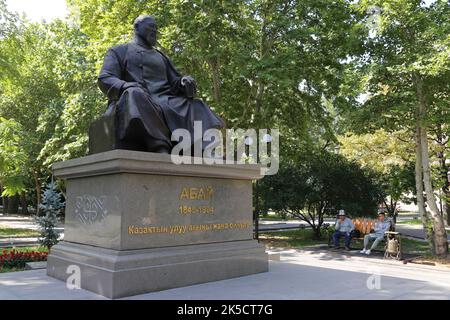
343, 228
381, 226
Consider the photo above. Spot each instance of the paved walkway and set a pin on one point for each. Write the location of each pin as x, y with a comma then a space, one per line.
300, 274
18, 242
21, 222
415, 230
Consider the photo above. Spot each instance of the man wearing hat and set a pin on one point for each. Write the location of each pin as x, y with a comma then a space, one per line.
344, 226
381, 226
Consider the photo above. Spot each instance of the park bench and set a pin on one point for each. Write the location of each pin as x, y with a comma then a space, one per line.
392, 248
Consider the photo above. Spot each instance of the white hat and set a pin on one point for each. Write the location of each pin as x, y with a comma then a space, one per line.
341, 212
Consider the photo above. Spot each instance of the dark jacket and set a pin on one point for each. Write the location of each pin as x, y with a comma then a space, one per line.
123, 63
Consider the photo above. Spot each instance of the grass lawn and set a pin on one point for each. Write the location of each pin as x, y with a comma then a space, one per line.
407, 213
291, 238
415, 221
304, 238
20, 249
6, 232
271, 217
415, 247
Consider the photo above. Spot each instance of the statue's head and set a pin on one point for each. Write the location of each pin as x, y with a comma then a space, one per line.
145, 27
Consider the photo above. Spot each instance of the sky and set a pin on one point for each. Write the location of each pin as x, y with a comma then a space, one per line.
37, 10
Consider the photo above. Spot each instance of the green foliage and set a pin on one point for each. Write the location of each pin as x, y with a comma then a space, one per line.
13, 159
405, 76
9, 28
248, 57
298, 66
318, 186
51, 207
409, 42
379, 150
258, 64
388, 156
49, 93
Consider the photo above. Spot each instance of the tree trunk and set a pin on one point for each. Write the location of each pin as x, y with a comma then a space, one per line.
5, 205
439, 232
443, 170
23, 203
419, 190
391, 208
394, 210
317, 234
13, 205
37, 185
445, 192
446, 207
215, 74
256, 212
2, 199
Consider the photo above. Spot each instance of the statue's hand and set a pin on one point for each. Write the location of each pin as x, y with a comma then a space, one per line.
131, 85
186, 79
190, 87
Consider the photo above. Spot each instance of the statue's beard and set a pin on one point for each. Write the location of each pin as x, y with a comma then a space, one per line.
148, 40
151, 40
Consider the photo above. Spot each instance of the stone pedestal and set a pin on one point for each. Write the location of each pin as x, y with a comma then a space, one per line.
136, 223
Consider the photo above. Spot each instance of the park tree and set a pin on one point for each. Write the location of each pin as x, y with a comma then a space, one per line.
49, 92
440, 146
258, 63
13, 165
318, 186
31, 95
76, 77
407, 72
51, 206
388, 155
9, 28
296, 66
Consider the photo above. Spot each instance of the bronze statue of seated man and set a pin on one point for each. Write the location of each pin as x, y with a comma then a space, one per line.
148, 97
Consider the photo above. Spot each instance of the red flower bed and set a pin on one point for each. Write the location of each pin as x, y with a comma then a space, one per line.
18, 259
